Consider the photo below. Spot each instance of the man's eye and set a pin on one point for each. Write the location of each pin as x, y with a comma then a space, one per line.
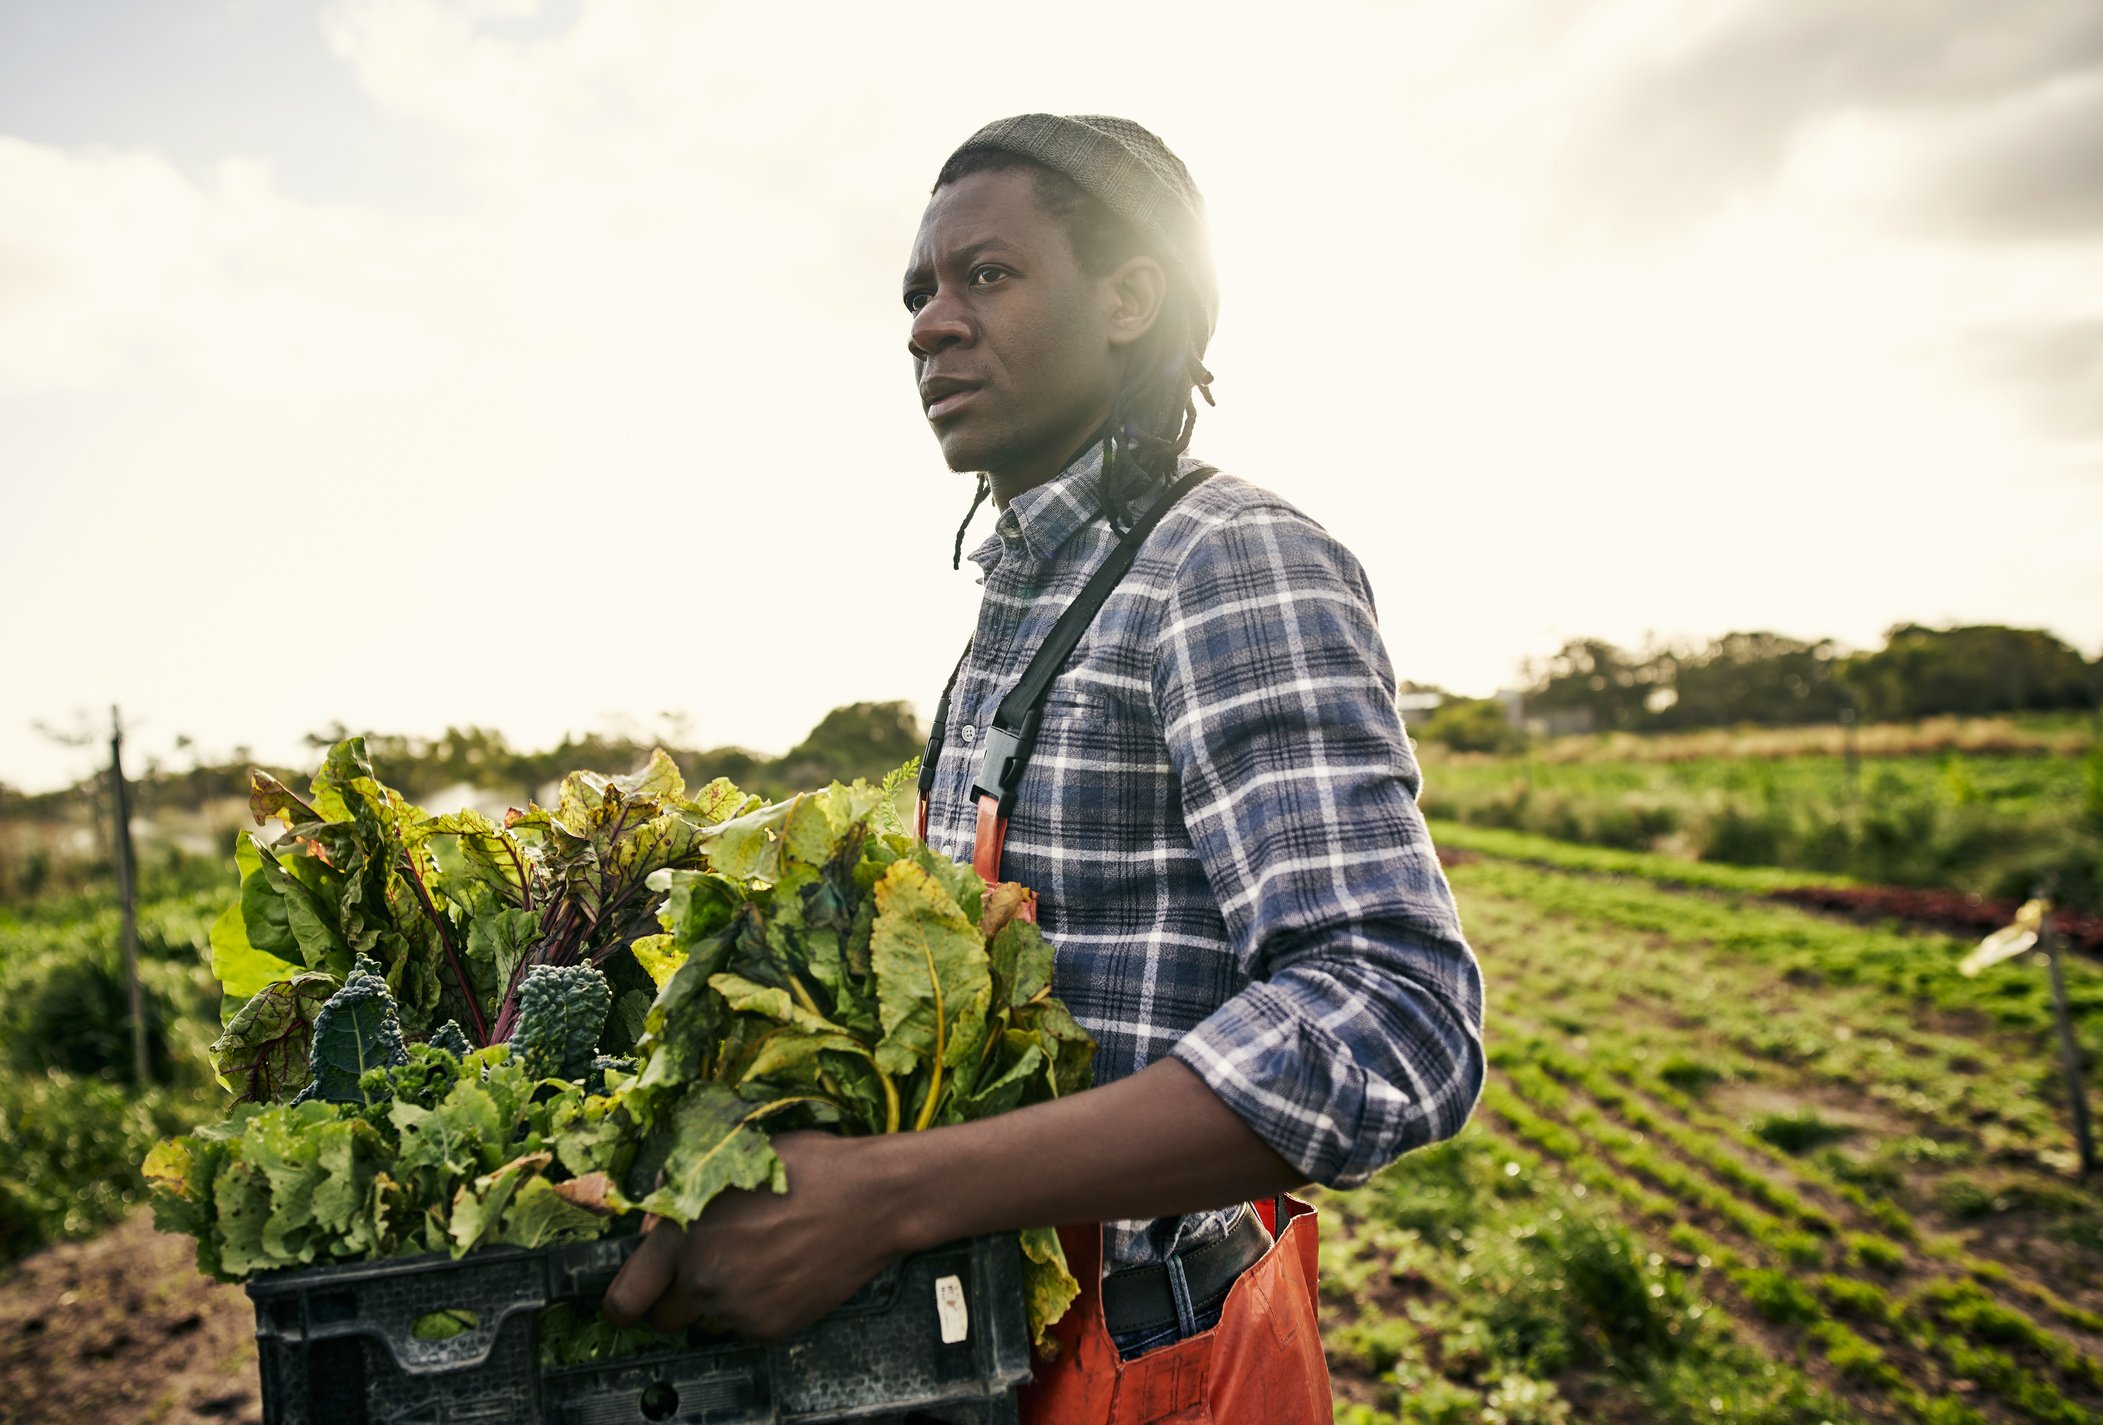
979, 273
914, 301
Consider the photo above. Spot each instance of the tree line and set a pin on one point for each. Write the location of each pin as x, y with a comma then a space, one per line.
857, 740
1770, 679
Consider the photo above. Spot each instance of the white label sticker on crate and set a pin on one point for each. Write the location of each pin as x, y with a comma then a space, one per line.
949, 1305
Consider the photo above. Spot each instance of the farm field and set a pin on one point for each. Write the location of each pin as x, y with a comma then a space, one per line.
1736, 1162
1991, 811
2060, 734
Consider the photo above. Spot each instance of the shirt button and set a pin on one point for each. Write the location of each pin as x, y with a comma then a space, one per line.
969, 732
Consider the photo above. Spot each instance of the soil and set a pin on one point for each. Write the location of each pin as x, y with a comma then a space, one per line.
123, 1328
1951, 911
1748, 1100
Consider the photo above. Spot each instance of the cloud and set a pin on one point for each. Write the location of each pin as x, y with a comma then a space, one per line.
624, 421
116, 264
2054, 369
2030, 169
1693, 123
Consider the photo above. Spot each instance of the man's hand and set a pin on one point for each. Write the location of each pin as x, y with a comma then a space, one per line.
764, 1264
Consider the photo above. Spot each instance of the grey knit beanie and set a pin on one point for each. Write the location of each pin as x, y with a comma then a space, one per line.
1131, 172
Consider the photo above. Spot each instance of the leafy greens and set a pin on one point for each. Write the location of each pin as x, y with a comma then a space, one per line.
444, 1032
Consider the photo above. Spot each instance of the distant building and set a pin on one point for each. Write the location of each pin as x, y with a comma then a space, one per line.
1560, 722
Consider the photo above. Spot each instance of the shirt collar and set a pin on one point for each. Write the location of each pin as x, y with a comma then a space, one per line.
1043, 517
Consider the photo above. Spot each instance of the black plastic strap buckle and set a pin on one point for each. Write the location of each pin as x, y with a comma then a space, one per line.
1002, 756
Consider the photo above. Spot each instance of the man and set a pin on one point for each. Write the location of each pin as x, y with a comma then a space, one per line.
1219, 821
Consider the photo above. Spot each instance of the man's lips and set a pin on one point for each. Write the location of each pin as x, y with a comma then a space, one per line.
941, 407
939, 395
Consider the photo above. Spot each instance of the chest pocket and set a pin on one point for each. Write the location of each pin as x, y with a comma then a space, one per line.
1072, 708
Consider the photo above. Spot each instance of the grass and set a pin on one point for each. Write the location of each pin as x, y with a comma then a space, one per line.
1840, 1157
2058, 734
1735, 1162
73, 1128
1995, 823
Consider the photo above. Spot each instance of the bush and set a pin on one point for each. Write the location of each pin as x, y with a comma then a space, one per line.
1472, 725
68, 1011
1741, 838
72, 1014
1633, 823
70, 1150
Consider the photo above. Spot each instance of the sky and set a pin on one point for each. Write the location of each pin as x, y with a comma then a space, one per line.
540, 366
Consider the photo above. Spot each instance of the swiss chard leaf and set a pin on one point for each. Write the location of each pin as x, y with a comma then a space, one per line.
716, 1145
262, 1054
933, 984
241, 966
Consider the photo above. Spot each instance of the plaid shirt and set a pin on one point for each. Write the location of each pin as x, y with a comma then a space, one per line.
1220, 822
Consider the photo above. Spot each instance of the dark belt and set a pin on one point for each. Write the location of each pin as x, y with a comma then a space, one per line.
1139, 1298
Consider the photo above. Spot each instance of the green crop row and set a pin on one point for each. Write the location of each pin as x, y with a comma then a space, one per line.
1508, 1269
1988, 824
1782, 986
1862, 1248
1662, 869
1780, 1297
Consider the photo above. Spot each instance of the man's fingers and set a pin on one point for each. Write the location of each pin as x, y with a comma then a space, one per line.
676, 1310
643, 1280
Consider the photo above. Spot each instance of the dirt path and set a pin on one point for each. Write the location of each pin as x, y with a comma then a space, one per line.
122, 1329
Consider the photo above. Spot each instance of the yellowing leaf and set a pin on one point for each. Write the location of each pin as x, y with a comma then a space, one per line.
1002, 904
657, 957
478, 1205
541, 1213
1048, 1285
743, 996
930, 966
714, 1148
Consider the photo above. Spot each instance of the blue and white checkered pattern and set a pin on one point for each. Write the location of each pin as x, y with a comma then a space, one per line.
1220, 822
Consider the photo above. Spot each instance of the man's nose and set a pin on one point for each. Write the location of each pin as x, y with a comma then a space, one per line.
941, 323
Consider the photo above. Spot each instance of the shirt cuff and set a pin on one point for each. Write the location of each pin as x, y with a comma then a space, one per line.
1296, 1084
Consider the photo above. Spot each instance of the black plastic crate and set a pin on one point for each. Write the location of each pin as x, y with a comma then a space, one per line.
940, 1337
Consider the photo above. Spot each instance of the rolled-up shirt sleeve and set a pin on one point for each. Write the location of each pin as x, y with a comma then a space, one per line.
1358, 1035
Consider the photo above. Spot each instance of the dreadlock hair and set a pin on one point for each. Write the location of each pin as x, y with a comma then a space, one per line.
1155, 408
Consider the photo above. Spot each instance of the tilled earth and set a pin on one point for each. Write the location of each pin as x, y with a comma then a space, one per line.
122, 1329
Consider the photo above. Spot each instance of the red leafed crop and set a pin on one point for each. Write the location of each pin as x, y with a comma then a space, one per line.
1952, 911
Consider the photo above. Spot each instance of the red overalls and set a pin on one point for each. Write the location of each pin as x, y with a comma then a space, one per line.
1262, 1364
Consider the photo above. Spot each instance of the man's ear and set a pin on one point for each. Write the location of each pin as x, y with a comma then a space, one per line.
1138, 288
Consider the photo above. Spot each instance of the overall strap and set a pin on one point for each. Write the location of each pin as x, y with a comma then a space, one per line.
1006, 747
1009, 742
935, 737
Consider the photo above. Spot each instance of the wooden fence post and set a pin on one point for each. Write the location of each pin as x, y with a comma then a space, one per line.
127, 891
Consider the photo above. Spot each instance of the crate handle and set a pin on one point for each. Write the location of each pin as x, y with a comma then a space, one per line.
582, 1271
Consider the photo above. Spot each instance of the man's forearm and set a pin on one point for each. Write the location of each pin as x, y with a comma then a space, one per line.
763, 1264
1157, 1144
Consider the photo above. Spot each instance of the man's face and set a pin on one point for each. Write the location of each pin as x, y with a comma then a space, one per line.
1010, 339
